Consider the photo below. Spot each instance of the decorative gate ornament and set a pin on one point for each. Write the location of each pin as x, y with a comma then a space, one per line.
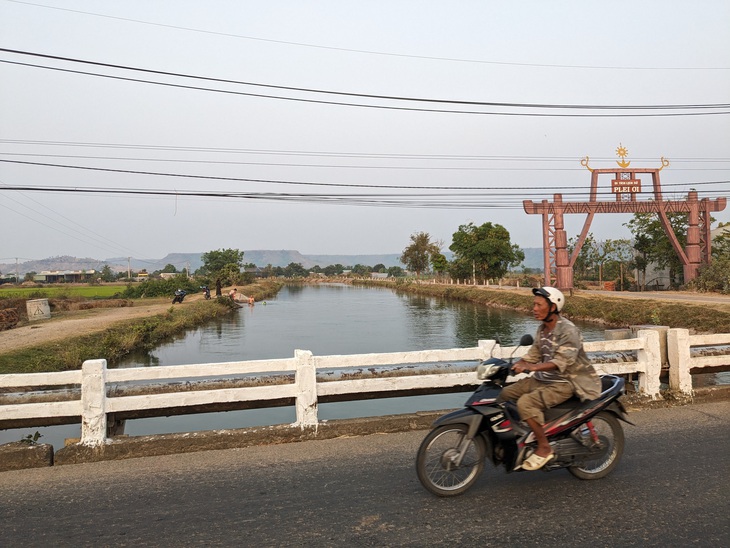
626, 186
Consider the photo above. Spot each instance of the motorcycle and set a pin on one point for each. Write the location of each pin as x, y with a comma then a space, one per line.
586, 437
206, 291
179, 296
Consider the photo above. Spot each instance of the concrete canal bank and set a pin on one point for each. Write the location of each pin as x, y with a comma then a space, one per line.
21, 455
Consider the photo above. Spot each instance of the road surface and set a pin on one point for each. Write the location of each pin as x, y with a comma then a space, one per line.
671, 489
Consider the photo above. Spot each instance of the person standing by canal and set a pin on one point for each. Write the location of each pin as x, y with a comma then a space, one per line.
561, 368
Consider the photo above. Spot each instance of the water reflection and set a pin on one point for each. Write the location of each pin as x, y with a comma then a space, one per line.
325, 319
340, 319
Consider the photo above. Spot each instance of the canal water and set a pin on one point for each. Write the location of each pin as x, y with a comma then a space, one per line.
325, 319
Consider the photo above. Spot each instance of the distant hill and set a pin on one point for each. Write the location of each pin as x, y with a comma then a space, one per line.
259, 257
63, 262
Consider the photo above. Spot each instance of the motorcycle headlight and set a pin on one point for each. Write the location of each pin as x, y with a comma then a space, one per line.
486, 371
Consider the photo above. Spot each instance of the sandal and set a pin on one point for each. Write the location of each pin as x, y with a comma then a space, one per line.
535, 461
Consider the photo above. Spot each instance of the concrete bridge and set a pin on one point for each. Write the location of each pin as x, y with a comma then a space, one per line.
670, 489
104, 398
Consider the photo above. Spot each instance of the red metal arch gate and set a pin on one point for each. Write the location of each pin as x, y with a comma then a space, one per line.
559, 266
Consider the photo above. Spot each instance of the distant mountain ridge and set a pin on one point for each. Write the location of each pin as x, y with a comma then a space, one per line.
259, 257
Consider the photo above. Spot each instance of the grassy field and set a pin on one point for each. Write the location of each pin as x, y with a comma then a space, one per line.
61, 291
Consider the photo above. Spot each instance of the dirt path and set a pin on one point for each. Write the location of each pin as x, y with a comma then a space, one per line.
72, 324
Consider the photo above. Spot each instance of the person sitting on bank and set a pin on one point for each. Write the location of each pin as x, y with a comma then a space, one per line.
233, 294
561, 368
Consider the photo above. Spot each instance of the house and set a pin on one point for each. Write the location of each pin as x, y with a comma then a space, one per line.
64, 276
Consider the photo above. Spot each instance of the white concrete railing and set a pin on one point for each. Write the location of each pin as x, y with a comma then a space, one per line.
94, 376
681, 361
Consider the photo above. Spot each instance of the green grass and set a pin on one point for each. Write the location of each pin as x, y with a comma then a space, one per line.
114, 343
125, 337
61, 291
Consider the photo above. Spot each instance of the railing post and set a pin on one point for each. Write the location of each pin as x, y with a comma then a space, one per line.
93, 402
678, 352
487, 347
650, 363
305, 379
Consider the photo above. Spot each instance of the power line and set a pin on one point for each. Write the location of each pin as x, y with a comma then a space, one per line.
328, 166
365, 95
366, 52
328, 154
418, 109
281, 182
433, 201
89, 237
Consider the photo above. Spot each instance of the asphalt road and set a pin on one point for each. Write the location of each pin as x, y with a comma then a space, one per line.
671, 489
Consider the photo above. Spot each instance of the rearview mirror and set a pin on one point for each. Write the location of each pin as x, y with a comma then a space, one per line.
526, 340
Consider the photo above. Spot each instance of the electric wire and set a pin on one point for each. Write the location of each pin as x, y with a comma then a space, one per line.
321, 166
89, 236
365, 95
434, 201
303, 183
360, 51
348, 154
405, 108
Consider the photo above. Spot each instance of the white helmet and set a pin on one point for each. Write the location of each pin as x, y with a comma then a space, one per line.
552, 294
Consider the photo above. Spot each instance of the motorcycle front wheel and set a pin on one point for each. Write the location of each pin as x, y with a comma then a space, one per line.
436, 461
611, 439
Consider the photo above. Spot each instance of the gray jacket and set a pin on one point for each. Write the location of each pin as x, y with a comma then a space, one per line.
570, 358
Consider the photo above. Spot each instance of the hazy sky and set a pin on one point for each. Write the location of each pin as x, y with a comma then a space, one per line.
204, 135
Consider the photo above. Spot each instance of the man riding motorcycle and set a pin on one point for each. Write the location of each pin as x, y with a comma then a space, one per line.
561, 369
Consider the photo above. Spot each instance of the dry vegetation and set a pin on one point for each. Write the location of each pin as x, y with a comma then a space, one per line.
611, 311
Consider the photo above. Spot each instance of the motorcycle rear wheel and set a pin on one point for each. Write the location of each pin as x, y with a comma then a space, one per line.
435, 462
611, 436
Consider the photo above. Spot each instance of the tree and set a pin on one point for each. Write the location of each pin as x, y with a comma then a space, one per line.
417, 256
380, 268
439, 263
599, 252
721, 243
333, 269
361, 270
29, 276
623, 254
107, 275
223, 266
484, 250
396, 272
654, 244
584, 262
295, 270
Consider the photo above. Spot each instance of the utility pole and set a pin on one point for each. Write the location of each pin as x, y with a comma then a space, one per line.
17, 276
129, 268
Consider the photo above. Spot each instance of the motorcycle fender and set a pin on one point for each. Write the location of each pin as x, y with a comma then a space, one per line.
619, 410
473, 420
463, 416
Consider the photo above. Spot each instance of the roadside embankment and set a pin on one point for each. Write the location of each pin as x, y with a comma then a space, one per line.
610, 310
64, 343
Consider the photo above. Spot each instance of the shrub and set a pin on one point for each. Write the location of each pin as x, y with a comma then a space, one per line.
713, 277
160, 288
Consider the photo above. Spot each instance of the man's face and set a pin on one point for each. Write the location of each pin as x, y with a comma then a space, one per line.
540, 307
